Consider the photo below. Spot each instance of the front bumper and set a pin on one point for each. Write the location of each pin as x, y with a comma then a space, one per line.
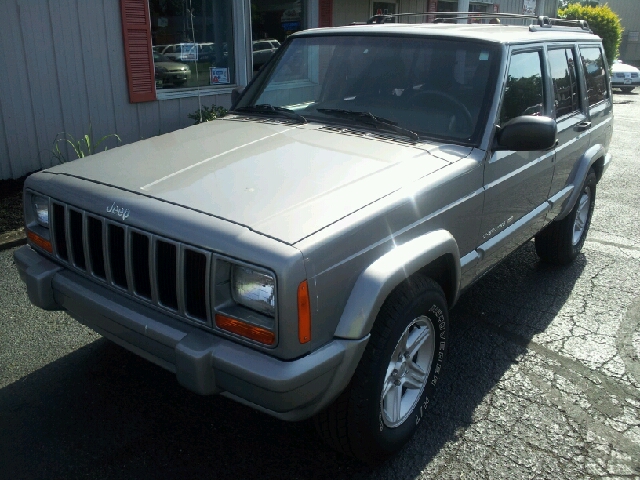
620, 82
203, 362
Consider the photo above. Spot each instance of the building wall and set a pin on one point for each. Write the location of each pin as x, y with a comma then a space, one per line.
629, 13
63, 71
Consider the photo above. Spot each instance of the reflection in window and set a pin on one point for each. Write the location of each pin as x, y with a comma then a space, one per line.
192, 43
523, 94
565, 85
595, 74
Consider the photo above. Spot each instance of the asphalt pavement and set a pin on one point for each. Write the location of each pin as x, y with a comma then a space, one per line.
542, 380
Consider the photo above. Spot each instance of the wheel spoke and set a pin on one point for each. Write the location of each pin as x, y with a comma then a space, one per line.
418, 341
402, 345
415, 376
393, 402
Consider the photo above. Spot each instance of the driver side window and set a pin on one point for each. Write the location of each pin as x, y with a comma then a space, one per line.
523, 94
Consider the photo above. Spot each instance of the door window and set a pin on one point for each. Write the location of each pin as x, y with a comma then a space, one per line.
595, 74
565, 84
523, 93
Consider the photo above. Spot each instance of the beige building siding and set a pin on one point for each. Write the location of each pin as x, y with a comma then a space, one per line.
67, 70
629, 13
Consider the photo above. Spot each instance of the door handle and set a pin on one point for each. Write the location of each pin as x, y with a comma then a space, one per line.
583, 126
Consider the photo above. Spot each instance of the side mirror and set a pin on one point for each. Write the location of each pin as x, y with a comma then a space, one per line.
236, 93
527, 133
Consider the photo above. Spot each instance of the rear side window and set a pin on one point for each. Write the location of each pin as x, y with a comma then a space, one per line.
595, 74
565, 84
523, 94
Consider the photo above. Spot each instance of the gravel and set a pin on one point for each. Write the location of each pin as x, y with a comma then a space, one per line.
11, 204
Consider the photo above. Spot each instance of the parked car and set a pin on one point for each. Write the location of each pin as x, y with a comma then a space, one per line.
625, 77
263, 50
168, 71
172, 52
301, 254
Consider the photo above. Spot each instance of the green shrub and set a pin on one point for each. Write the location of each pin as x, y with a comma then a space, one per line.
602, 20
208, 114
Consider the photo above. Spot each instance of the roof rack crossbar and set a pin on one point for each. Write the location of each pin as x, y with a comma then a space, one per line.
541, 21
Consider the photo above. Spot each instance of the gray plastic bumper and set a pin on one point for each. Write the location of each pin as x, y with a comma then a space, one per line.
203, 362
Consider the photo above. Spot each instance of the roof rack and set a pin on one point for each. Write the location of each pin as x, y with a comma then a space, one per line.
542, 22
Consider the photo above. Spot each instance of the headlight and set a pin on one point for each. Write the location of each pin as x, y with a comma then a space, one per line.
254, 290
41, 209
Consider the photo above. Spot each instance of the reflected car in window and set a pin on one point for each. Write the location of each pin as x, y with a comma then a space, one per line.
170, 72
262, 51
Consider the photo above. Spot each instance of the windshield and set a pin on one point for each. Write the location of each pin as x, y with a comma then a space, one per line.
440, 89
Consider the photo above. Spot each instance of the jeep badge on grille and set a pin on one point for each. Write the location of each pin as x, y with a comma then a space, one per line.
119, 211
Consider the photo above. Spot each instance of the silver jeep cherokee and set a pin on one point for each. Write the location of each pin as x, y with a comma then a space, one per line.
301, 254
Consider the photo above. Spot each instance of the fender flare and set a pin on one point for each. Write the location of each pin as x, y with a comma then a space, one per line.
377, 281
578, 176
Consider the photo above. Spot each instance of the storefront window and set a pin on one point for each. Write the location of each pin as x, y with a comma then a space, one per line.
192, 43
272, 21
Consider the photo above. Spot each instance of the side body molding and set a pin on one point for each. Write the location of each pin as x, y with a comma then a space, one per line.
377, 281
578, 176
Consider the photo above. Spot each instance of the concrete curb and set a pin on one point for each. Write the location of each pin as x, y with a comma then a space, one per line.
12, 239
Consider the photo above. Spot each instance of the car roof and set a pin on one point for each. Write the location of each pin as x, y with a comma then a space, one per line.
502, 33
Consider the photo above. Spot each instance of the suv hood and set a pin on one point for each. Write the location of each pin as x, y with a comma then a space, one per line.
284, 181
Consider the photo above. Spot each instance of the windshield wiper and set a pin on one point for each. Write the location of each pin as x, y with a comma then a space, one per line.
367, 118
266, 109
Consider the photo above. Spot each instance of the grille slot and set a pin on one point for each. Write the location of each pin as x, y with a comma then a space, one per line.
59, 227
75, 231
195, 292
140, 264
166, 274
96, 255
117, 255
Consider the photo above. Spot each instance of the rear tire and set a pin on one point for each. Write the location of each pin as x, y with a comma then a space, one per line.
560, 242
386, 399
627, 89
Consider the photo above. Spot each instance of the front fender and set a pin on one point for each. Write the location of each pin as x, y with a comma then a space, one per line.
377, 281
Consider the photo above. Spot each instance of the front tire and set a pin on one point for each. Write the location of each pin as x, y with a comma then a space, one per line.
560, 242
396, 377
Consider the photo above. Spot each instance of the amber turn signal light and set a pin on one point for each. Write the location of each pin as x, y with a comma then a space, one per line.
304, 313
39, 241
245, 330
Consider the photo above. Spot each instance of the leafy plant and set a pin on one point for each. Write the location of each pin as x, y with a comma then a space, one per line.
82, 147
208, 114
602, 20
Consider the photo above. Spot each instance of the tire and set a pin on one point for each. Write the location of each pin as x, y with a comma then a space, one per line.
627, 89
560, 242
362, 422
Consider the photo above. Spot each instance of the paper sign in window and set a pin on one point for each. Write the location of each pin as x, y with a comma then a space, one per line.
218, 76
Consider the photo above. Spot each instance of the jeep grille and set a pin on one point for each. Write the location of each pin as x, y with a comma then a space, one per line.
167, 274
